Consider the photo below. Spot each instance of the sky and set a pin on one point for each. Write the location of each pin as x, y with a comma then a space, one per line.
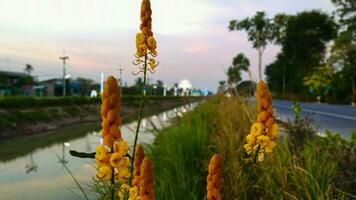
99, 36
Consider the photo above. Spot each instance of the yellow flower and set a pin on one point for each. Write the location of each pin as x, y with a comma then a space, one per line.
105, 173
214, 178
102, 157
123, 175
115, 159
140, 38
251, 139
121, 147
134, 193
152, 63
142, 49
248, 148
123, 191
151, 42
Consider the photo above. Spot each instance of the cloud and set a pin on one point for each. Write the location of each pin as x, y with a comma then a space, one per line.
193, 40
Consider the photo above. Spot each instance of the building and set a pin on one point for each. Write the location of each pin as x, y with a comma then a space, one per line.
15, 83
54, 87
184, 87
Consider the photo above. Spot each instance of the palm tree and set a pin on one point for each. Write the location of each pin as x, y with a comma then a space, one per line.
233, 77
28, 69
259, 29
243, 63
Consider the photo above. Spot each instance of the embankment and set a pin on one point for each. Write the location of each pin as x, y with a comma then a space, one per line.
29, 116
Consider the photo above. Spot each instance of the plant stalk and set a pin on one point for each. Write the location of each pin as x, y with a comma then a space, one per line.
142, 103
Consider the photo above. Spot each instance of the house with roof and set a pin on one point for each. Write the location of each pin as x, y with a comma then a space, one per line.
15, 83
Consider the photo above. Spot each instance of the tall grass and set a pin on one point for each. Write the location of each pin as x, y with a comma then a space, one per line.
308, 173
181, 153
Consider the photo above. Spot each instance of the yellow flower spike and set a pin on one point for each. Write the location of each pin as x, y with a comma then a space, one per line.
214, 178
110, 109
139, 156
146, 180
105, 173
146, 45
263, 134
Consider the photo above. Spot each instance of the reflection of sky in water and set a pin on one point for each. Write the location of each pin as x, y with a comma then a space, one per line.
51, 180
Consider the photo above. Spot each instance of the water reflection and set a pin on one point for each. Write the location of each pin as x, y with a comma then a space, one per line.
31, 167
50, 154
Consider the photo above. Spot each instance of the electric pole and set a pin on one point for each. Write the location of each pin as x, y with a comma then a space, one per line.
120, 81
64, 58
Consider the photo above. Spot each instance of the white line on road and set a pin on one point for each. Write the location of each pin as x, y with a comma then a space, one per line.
319, 112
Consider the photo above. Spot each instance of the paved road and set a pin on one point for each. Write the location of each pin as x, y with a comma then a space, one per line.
337, 118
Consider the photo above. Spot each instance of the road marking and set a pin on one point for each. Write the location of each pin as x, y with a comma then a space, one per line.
319, 112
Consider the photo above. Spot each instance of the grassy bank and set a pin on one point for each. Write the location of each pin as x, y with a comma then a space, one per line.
27, 120
180, 155
320, 168
21, 102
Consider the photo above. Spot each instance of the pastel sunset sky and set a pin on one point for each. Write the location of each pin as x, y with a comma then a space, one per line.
99, 35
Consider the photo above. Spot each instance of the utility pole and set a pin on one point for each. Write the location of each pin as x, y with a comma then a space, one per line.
64, 58
120, 81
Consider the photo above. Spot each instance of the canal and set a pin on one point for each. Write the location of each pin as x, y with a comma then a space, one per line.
32, 168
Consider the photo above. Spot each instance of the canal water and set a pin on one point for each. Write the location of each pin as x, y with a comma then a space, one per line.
33, 168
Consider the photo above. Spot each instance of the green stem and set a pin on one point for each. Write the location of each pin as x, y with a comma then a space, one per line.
142, 102
112, 180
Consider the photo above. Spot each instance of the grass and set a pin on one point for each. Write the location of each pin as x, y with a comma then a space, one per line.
23, 102
322, 168
180, 155
306, 173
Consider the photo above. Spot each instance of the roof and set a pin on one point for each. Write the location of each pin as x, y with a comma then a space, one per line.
13, 74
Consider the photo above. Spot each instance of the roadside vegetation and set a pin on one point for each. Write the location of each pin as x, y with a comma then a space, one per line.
318, 168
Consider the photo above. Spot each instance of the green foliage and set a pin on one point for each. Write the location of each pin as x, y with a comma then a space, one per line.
317, 170
20, 102
303, 49
300, 130
246, 88
259, 29
320, 78
180, 155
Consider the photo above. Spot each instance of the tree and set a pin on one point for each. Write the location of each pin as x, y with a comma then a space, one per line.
233, 77
319, 80
303, 38
243, 63
259, 30
346, 10
28, 69
222, 87
344, 49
